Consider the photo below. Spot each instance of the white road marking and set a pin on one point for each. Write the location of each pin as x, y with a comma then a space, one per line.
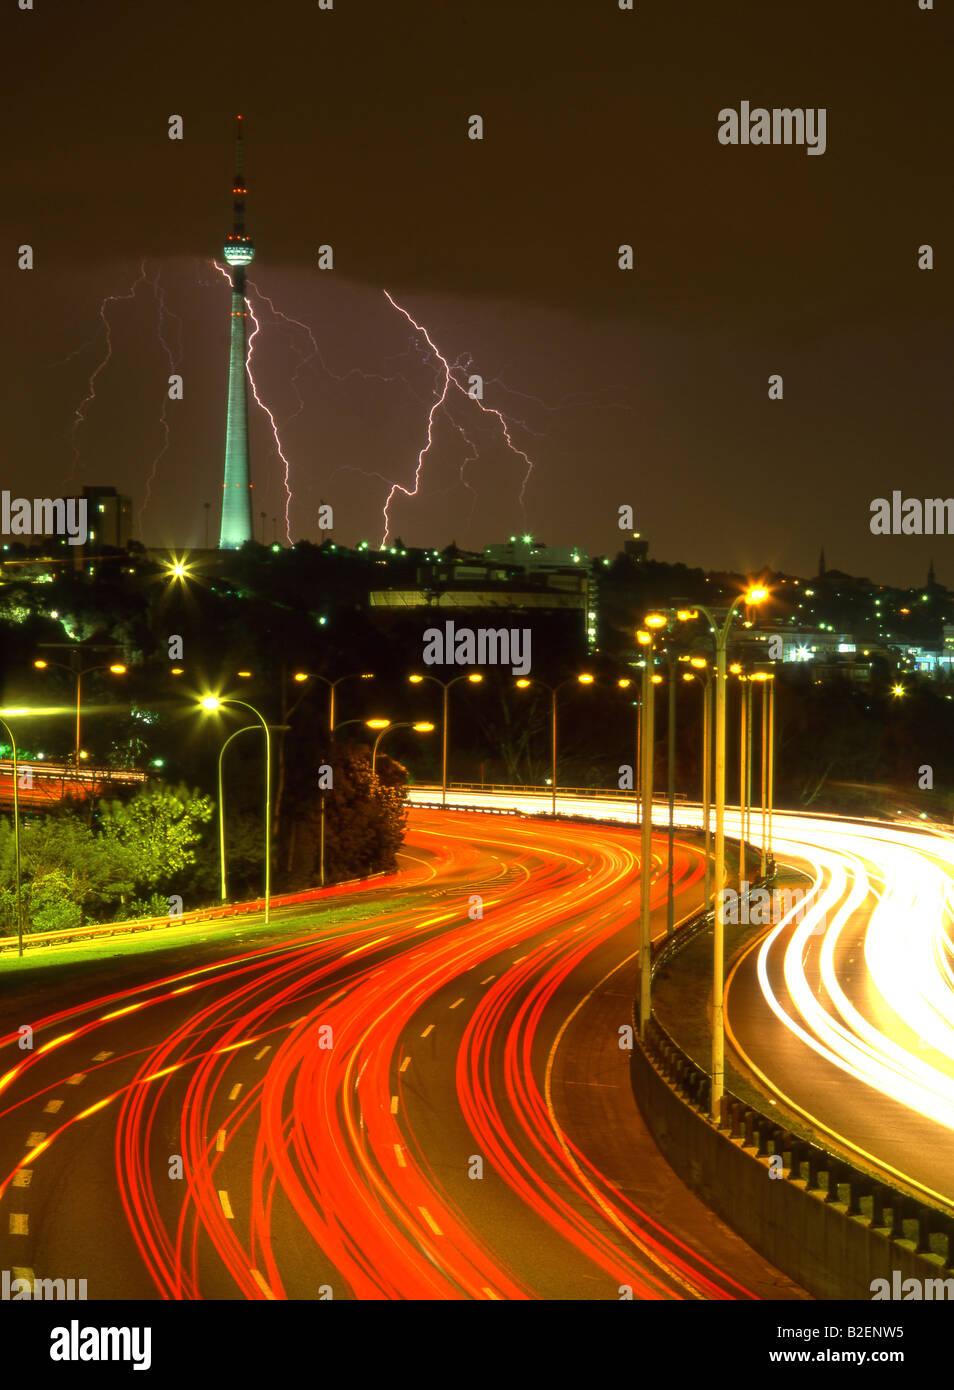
22, 1177
19, 1223
102, 1056
457, 1001
233, 1094
260, 1281
430, 1221
76, 1079
36, 1136
51, 1107
394, 1105
428, 1029
226, 1206
220, 1141
261, 1052
399, 1154
405, 1064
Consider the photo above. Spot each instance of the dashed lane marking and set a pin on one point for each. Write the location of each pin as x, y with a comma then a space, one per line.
260, 1281
430, 1221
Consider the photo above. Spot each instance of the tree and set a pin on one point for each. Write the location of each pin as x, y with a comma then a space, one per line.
162, 825
365, 816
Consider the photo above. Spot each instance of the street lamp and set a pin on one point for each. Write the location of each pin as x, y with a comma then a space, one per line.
645, 639
210, 704
422, 727
523, 684
767, 681
656, 622
276, 728
474, 679
754, 595
624, 683
301, 677
116, 667
745, 769
701, 672
16, 832
332, 685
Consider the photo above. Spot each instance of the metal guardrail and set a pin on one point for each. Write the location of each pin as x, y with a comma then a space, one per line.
198, 914
524, 789
862, 1195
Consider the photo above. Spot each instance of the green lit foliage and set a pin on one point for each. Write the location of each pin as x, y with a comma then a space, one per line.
71, 873
162, 825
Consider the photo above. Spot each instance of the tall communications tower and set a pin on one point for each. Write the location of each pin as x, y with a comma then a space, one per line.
239, 250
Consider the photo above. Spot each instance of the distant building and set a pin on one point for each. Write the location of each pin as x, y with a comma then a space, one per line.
108, 517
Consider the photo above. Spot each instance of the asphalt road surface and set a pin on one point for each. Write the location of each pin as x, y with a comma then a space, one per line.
415, 1090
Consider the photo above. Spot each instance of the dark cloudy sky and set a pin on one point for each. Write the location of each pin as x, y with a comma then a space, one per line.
648, 388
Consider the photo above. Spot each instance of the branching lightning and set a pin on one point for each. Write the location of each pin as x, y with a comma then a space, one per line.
440, 402
271, 417
79, 417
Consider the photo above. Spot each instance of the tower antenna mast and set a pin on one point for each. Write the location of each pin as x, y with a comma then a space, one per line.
239, 251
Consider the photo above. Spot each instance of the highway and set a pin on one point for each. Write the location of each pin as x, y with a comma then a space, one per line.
843, 1010
419, 1092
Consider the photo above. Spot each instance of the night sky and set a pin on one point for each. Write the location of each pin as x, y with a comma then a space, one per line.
647, 387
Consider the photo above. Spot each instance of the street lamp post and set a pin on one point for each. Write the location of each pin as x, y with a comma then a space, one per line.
624, 682
332, 685
474, 679
16, 835
422, 726
215, 702
523, 684
276, 728
657, 621
745, 735
671, 795
645, 640
721, 636
701, 670
116, 667
770, 759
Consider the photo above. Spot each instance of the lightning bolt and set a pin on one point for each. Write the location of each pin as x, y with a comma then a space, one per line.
161, 311
440, 402
79, 417
258, 400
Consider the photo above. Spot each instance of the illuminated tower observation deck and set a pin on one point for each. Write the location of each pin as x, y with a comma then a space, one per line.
237, 485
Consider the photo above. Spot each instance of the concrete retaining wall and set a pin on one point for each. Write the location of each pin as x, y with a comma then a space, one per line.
832, 1255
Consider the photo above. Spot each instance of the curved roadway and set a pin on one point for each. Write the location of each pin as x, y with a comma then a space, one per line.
420, 1094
